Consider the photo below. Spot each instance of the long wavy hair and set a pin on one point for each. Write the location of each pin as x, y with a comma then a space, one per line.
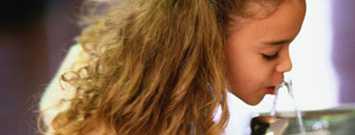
156, 67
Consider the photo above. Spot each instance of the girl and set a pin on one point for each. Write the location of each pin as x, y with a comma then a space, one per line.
163, 67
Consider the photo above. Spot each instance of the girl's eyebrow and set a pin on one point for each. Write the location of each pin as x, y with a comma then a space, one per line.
279, 42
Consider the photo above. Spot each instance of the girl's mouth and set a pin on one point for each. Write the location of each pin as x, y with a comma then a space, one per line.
270, 90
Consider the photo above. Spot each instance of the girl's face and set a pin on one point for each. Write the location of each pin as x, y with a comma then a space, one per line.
257, 52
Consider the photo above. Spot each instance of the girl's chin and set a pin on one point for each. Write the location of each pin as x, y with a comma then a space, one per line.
253, 101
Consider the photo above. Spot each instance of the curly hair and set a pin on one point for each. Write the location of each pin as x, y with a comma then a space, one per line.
155, 67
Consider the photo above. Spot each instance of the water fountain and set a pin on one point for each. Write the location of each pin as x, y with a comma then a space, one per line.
333, 121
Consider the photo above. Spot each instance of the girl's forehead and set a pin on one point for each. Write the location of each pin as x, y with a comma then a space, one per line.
284, 23
252, 10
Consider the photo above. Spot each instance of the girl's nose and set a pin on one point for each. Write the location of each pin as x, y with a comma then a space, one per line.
285, 64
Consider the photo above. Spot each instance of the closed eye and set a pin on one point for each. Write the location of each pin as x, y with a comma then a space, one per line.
270, 56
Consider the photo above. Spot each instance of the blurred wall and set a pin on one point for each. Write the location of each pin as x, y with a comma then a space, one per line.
343, 51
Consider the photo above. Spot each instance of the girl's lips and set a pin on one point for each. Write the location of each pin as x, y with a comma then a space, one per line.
270, 90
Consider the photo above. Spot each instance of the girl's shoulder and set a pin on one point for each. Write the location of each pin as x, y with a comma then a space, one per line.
55, 98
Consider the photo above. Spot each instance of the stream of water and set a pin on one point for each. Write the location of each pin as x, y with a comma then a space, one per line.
288, 86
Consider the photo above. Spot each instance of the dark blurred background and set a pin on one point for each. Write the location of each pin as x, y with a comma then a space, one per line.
35, 36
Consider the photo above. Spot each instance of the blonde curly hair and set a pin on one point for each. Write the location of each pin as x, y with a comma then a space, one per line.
154, 67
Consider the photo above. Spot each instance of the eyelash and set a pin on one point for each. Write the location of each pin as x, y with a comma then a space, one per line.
270, 57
